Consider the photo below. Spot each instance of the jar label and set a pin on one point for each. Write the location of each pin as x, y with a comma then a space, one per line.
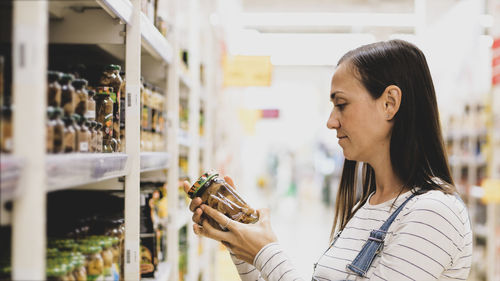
84, 146
108, 124
90, 114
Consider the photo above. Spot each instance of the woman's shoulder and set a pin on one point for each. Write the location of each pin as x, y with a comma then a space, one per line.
439, 207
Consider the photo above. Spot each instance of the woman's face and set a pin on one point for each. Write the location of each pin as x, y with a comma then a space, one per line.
362, 128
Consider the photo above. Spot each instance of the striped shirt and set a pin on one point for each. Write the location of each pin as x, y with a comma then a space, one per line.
431, 239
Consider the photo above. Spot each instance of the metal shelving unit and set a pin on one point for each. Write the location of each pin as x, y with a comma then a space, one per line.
119, 28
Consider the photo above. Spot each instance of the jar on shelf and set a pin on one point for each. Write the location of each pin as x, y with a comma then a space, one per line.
218, 194
54, 89
79, 272
99, 137
6, 129
107, 257
69, 139
84, 135
55, 272
50, 125
68, 95
90, 115
74, 123
94, 263
104, 115
81, 96
93, 135
58, 130
111, 78
122, 112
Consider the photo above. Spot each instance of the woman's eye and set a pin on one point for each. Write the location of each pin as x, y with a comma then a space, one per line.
340, 106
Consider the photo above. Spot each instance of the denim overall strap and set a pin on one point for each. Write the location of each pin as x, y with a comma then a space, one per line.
374, 244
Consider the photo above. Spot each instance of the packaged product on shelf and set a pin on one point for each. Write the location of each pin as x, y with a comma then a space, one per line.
93, 136
104, 115
218, 194
74, 123
68, 95
148, 257
54, 89
81, 96
83, 134
6, 129
122, 112
111, 78
99, 137
50, 124
58, 130
69, 139
107, 257
93, 260
90, 114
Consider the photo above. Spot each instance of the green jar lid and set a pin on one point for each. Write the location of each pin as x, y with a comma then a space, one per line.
55, 271
5, 269
54, 76
207, 176
115, 240
66, 78
116, 67
52, 252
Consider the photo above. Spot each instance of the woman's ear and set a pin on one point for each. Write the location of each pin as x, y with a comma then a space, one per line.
391, 99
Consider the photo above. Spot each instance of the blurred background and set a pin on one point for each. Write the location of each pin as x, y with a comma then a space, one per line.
239, 86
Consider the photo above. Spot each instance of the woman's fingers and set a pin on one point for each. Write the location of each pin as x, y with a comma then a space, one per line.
197, 215
187, 186
209, 231
195, 203
219, 217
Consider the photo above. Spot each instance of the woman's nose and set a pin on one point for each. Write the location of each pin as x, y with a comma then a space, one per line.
332, 123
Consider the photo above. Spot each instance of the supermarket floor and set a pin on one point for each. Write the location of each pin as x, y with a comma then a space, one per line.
302, 225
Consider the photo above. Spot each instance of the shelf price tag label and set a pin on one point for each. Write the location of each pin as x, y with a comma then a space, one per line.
491, 191
247, 71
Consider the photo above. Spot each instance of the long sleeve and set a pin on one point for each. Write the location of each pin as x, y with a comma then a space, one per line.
270, 264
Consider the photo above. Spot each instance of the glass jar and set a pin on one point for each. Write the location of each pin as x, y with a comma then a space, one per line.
54, 89
81, 96
107, 256
58, 130
6, 129
74, 122
90, 115
84, 135
54, 272
68, 95
99, 137
104, 115
93, 134
122, 112
218, 194
69, 139
94, 264
79, 272
50, 125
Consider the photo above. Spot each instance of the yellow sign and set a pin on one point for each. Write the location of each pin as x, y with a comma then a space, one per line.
491, 191
247, 71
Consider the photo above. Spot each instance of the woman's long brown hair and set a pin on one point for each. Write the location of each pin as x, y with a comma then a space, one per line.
416, 147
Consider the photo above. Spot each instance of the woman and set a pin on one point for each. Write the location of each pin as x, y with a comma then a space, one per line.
407, 223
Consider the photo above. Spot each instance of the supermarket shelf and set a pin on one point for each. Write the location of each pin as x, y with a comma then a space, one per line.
10, 170
151, 161
154, 42
186, 80
184, 139
121, 9
203, 142
203, 94
474, 161
162, 272
184, 217
76, 169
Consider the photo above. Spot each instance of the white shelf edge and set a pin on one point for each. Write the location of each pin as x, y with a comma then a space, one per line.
183, 218
186, 80
121, 9
154, 42
184, 139
85, 168
152, 161
162, 272
10, 171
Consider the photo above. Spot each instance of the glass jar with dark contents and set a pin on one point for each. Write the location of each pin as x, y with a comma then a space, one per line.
218, 194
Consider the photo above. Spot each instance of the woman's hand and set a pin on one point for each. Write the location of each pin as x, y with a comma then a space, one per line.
243, 240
